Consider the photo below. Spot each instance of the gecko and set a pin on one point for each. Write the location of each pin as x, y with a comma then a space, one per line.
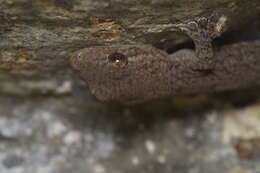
132, 74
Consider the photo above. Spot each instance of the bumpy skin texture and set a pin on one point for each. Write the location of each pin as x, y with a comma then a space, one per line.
137, 73
203, 30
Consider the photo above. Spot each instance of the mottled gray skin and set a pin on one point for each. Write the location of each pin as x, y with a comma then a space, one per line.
203, 30
137, 73
152, 73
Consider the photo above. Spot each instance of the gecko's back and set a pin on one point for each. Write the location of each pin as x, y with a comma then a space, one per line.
136, 73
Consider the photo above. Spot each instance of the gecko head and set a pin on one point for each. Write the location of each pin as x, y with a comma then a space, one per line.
126, 74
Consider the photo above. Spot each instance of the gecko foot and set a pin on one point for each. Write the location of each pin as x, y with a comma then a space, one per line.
202, 31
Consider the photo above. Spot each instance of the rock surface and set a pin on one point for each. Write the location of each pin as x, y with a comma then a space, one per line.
50, 123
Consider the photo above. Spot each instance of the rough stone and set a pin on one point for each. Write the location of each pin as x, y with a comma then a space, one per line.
50, 123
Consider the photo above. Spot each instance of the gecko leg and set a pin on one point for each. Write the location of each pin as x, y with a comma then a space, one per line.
202, 31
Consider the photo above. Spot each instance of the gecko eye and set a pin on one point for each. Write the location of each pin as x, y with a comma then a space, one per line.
117, 59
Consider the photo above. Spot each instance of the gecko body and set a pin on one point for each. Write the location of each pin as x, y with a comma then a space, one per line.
139, 73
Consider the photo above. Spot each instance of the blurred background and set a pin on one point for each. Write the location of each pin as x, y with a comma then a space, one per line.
50, 123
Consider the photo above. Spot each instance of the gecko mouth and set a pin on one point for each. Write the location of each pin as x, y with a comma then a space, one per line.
114, 95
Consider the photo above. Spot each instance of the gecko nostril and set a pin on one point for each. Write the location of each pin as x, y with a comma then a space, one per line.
117, 59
